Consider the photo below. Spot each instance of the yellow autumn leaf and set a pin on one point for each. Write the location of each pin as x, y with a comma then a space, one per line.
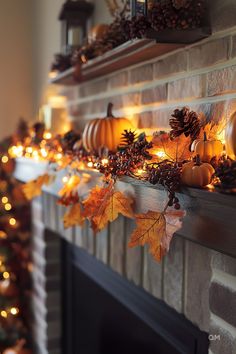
104, 205
73, 216
70, 186
33, 188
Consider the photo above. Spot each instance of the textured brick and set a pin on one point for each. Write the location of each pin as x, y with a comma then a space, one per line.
141, 74
233, 54
157, 94
190, 87
131, 99
223, 14
102, 246
117, 245
90, 246
98, 106
133, 261
152, 275
224, 263
208, 53
171, 65
145, 120
226, 344
161, 118
93, 88
173, 274
119, 80
223, 302
221, 81
78, 236
197, 282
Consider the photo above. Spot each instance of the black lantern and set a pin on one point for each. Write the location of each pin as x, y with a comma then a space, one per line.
74, 16
139, 7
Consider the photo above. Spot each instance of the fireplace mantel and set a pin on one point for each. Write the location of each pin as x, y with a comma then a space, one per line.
210, 219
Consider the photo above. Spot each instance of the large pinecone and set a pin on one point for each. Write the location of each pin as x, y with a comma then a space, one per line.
185, 122
226, 173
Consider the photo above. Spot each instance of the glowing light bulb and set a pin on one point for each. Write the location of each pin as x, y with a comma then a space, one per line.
90, 164
4, 200
3, 235
8, 207
4, 314
65, 179
161, 154
14, 311
29, 149
58, 156
43, 152
6, 275
105, 162
12, 221
5, 159
47, 135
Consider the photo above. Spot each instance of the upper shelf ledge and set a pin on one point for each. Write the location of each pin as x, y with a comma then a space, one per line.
127, 54
132, 52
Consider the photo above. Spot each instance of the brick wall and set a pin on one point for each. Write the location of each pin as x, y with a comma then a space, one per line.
196, 281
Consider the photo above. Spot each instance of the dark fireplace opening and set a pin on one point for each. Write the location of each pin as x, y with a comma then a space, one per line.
103, 313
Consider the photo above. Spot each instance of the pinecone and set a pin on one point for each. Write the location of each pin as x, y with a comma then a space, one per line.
226, 173
69, 140
139, 26
185, 122
128, 137
178, 4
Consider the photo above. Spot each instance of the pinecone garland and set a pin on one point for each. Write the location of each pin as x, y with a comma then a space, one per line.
185, 122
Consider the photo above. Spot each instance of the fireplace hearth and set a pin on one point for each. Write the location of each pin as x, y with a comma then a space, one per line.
104, 313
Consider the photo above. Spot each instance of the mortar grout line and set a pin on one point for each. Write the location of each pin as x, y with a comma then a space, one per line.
132, 110
134, 88
223, 278
223, 324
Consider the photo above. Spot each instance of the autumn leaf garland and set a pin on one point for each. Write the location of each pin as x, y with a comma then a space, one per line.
104, 205
156, 229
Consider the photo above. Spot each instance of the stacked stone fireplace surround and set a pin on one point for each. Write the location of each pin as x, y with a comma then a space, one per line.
196, 281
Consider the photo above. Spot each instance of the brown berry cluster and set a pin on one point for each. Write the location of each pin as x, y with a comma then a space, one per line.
168, 174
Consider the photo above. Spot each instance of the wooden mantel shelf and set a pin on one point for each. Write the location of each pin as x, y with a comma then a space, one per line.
210, 215
127, 54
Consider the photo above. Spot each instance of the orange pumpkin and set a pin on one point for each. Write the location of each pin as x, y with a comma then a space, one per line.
230, 137
105, 132
197, 174
97, 32
207, 149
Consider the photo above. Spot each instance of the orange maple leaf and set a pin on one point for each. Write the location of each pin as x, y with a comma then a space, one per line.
73, 216
156, 229
104, 205
33, 188
70, 186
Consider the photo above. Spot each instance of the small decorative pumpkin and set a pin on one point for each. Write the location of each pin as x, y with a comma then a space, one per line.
105, 132
230, 137
97, 32
197, 174
207, 149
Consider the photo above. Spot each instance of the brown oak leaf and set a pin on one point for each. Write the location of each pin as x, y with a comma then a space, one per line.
33, 188
73, 216
104, 205
156, 229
